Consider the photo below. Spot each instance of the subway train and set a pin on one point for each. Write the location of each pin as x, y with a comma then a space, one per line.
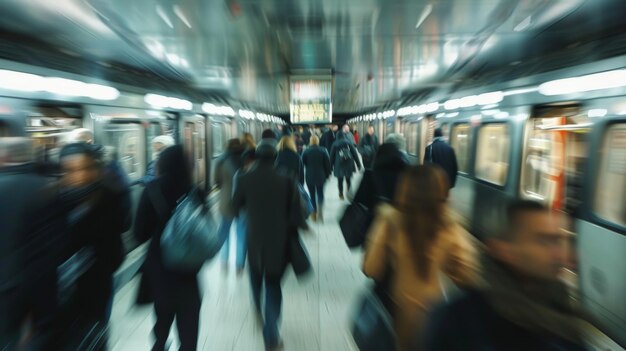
559, 138
49, 105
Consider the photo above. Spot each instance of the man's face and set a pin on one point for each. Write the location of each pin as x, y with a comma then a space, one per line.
79, 170
370, 130
346, 129
538, 248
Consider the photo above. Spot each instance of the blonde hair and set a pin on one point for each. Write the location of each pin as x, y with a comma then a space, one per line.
248, 141
315, 140
286, 142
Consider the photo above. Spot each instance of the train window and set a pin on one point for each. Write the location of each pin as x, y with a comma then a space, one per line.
412, 130
50, 129
220, 132
460, 142
126, 141
195, 144
611, 182
492, 155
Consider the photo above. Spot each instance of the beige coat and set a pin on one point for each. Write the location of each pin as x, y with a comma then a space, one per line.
452, 254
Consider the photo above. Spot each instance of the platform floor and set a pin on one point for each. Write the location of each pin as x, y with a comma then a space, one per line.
315, 312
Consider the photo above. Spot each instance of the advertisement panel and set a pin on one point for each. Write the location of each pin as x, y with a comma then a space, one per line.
310, 100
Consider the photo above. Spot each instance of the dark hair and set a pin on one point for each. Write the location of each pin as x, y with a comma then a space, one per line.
268, 134
91, 151
516, 208
234, 146
438, 132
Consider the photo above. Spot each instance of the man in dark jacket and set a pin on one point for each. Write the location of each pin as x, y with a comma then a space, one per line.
522, 305
318, 169
368, 147
328, 138
272, 202
343, 158
441, 153
31, 233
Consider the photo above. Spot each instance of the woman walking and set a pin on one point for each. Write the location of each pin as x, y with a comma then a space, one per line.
317, 165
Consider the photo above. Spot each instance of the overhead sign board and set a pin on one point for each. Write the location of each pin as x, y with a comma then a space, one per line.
310, 100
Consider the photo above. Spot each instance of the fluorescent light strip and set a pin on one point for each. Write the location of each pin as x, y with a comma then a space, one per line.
425, 13
182, 16
591, 82
163, 16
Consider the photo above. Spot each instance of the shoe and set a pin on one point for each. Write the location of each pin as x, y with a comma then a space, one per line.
314, 216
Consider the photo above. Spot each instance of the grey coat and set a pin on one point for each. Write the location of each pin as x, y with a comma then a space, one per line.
340, 168
272, 202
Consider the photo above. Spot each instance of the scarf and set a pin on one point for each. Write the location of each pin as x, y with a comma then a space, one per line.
540, 307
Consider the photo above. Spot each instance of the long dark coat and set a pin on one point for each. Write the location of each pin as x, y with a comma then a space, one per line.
317, 164
272, 202
340, 168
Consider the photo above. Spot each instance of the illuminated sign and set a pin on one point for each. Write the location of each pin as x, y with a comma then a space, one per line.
310, 100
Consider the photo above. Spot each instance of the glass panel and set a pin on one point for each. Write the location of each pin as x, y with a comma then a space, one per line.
492, 155
218, 138
127, 139
611, 183
460, 142
50, 128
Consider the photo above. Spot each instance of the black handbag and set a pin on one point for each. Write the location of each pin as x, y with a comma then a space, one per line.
355, 223
372, 325
298, 256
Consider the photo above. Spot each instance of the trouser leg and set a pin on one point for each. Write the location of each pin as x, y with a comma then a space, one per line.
165, 311
349, 181
340, 185
273, 305
242, 239
224, 232
256, 282
312, 194
187, 318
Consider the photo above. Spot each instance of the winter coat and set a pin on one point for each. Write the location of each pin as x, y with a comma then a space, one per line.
379, 183
442, 154
225, 170
290, 164
272, 202
368, 146
317, 163
328, 139
342, 168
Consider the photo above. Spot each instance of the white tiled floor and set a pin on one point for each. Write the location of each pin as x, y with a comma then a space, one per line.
315, 312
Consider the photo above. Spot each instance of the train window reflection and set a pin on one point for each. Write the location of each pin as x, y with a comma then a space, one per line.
412, 137
126, 142
50, 129
611, 183
492, 155
460, 142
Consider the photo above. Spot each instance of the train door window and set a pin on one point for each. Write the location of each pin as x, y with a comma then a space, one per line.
221, 130
610, 186
460, 142
412, 130
492, 155
50, 128
127, 139
426, 134
195, 146
157, 128
553, 157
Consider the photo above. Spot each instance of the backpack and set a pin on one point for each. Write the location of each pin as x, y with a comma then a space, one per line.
345, 156
190, 236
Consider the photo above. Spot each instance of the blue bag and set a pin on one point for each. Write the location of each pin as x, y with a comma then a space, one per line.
307, 204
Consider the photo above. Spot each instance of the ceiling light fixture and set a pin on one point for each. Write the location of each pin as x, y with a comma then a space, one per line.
161, 13
182, 16
425, 13
591, 82
597, 112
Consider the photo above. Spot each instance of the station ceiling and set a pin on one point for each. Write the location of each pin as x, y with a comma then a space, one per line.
377, 51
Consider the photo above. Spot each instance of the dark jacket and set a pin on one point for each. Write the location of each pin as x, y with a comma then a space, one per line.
158, 282
328, 139
442, 154
100, 228
306, 137
342, 168
272, 202
317, 164
470, 323
225, 170
290, 164
379, 184
368, 146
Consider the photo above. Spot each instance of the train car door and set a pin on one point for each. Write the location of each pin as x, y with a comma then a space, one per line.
194, 141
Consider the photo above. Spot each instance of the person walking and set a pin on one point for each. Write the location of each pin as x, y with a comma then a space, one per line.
410, 243
439, 152
329, 136
175, 294
288, 161
272, 203
523, 304
344, 160
368, 146
317, 164
225, 170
